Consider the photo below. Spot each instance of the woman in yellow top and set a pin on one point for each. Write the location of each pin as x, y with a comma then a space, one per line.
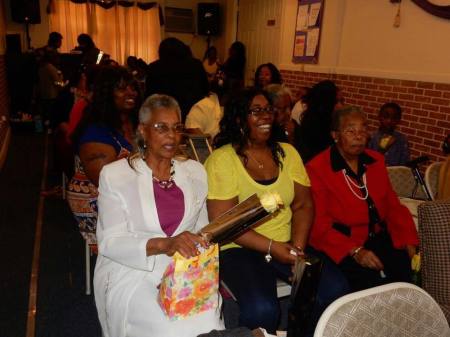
249, 160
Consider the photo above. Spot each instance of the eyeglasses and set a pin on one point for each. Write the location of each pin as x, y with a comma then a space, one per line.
163, 128
353, 132
258, 112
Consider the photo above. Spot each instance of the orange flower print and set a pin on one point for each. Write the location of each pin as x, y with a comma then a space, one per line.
166, 304
184, 307
202, 289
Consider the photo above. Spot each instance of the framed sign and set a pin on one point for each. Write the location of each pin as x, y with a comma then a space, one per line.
307, 31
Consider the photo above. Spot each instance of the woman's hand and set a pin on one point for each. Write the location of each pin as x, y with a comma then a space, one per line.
411, 250
367, 259
184, 243
281, 251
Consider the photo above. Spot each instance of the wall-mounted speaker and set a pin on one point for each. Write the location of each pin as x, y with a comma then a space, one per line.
208, 19
23, 11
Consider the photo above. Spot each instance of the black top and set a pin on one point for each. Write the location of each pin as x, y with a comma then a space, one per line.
185, 80
267, 181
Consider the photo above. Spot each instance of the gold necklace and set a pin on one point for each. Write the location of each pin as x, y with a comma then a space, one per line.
260, 165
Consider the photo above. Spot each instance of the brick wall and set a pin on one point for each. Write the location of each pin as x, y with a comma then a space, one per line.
426, 105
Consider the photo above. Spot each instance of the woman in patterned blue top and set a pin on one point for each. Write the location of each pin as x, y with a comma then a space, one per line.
104, 135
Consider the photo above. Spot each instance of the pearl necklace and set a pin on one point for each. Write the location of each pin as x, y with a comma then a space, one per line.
166, 184
350, 182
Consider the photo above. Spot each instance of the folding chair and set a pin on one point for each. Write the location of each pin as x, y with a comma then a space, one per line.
395, 309
199, 147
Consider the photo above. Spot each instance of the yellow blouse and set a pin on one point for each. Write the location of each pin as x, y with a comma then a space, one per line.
227, 178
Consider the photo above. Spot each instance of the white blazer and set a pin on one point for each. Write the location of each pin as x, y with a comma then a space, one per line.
125, 278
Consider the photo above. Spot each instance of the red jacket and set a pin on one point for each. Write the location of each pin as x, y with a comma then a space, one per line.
335, 203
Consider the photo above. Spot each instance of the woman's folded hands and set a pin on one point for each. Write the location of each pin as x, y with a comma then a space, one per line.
185, 243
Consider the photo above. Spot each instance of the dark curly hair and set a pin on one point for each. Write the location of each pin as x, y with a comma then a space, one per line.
102, 111
274, 72
315, 128
234, 128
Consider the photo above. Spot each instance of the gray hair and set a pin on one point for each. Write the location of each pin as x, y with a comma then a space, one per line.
150, 105
340, 114
156, 102
276, 91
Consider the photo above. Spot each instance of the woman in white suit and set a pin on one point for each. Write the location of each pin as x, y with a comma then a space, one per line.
149, 207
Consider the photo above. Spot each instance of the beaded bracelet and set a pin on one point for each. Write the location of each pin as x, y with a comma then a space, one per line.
356, 251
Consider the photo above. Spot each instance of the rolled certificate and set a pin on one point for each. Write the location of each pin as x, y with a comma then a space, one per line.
250, 213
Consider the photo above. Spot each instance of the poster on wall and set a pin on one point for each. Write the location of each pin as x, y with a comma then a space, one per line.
307, 31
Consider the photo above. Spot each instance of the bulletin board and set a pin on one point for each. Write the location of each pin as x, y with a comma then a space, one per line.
307, 31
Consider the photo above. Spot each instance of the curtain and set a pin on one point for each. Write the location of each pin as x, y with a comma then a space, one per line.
118, 31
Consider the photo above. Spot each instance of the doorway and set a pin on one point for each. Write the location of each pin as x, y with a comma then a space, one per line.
259, 23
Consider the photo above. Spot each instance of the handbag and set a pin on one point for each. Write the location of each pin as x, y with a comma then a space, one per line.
190, 286
307, 272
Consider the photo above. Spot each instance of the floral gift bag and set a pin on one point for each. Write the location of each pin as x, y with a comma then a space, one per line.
190, 286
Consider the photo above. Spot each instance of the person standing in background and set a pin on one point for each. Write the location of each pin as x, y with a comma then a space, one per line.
267, 74
211, 63
53, 44
177, 74
50, 82
233, 71
87, 47
315, 128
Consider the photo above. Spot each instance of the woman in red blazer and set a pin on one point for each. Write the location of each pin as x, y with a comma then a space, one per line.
359, 222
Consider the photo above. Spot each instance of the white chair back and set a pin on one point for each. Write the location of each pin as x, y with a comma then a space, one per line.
404, 183
395, 309
432, 178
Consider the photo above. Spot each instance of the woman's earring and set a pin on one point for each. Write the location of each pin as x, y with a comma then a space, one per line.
144, 149
335, 140
242, 131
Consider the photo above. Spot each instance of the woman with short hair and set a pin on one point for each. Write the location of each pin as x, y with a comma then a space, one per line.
359, 223
150, 206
